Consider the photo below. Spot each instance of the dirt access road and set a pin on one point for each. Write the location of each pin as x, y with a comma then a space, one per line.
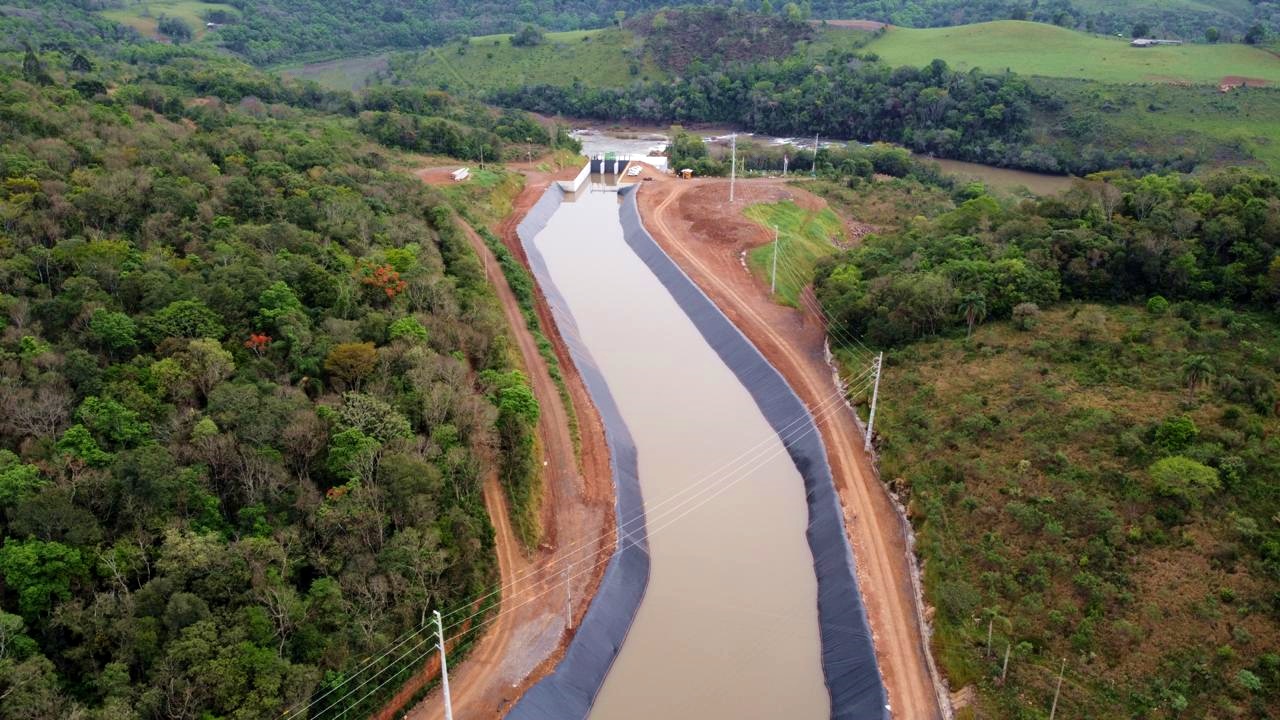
694, 223
528, 636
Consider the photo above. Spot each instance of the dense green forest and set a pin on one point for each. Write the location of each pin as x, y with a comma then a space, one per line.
1110, 239
934, 110
251, 377
67, 23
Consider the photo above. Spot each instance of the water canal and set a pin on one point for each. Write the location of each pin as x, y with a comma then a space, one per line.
728, 626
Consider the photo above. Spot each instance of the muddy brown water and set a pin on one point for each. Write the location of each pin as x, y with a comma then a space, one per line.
728, 627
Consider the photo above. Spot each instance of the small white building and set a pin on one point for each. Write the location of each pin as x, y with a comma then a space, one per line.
460, 174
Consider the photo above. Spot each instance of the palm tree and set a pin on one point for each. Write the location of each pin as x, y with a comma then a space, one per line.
974, 308
1196, 369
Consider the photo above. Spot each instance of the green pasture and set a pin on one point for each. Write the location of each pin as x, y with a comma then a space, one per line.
144, 16
1038, 49
598, 58
352, 73
1199, 121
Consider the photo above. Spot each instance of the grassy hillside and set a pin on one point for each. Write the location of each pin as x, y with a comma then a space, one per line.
1239, 8
1038, 49
143, 16
804, 236
1032, 457
1197, 122
831, 37
1186, 19
596, 58
353, 73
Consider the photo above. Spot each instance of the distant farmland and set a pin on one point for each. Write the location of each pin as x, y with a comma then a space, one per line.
1037, 49
599, 58
144, 16
342, 74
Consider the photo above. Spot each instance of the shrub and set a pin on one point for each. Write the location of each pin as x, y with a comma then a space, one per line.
1157, 305
174, 28
1090, 325
1176, 434
351, 362
528, 36
1249, 681
1026, 315
1184, 479
408, 328
958, 599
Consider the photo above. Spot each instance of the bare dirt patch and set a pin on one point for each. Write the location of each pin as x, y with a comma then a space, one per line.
871, 25
704, 202
1236, 81
438, 175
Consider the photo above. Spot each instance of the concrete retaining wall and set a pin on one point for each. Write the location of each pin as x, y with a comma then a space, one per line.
568, 186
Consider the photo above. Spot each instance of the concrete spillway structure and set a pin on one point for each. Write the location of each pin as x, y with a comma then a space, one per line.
732, 592
605, 165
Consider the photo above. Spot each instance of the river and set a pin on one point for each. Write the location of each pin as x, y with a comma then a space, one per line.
728, 627
642, 140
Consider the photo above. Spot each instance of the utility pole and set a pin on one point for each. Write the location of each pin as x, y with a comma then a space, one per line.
1053, 710
784, 164
990, 622
444, 670
1004, 670
733, 165
815, 154
773, 284
875, 397
568, 600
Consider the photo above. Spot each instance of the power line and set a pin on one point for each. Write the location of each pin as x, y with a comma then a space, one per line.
857, 384
350, 692
831, 403
705, 483
833, 327
829, 406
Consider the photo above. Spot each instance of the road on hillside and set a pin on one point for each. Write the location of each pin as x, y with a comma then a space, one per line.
696, 226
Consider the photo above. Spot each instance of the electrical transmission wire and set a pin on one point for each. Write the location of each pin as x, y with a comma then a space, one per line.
830, 405
742, 461
624, 530
853, 386
847, 339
